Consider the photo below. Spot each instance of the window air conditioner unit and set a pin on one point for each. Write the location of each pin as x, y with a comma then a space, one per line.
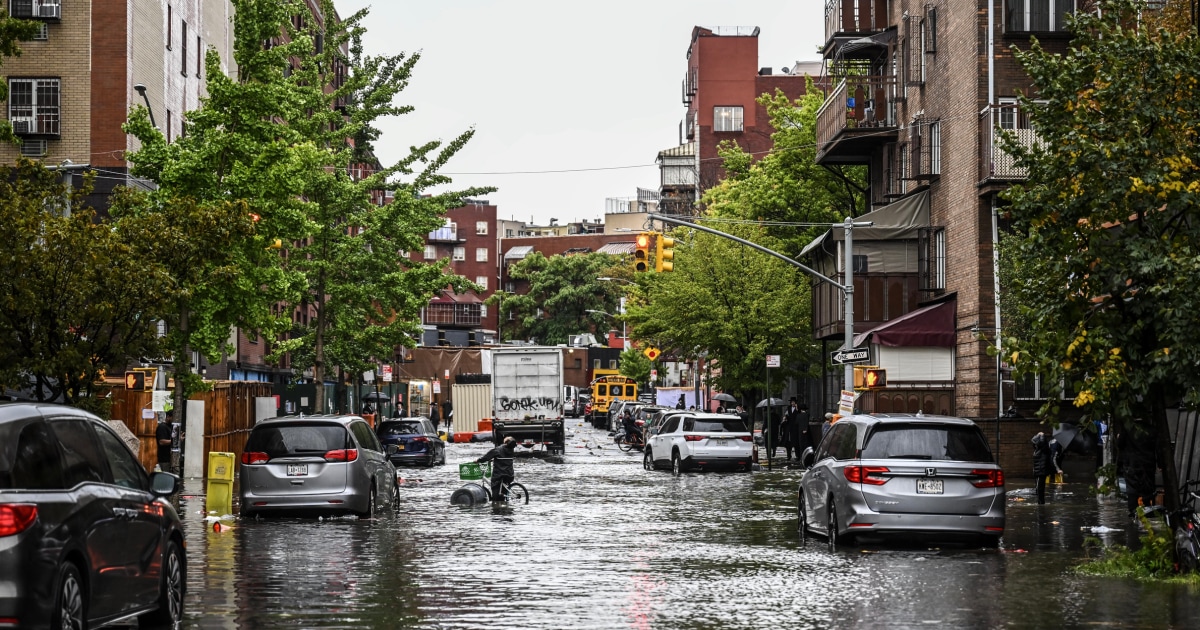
50, 9
22, 126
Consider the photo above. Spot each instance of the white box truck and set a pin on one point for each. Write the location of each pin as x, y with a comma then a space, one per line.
527, 396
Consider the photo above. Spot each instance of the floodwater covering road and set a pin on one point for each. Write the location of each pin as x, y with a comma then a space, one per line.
606, 544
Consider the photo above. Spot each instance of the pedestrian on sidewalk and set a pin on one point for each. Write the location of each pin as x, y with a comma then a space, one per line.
163, 437
1043, 465
434, 417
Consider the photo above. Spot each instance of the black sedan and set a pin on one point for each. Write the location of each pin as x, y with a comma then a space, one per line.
416, 441
86, 536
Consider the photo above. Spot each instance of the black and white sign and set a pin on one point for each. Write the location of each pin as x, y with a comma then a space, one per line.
853, 355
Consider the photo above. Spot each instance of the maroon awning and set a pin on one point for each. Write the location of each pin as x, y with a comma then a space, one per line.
927, 326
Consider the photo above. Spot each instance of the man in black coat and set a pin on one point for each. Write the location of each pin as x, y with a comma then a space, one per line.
502, 465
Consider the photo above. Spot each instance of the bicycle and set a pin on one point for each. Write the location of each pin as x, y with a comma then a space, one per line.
476, 472
1185, 527
627, 442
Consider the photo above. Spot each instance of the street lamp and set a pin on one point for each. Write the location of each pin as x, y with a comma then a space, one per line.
624, 339
141, 89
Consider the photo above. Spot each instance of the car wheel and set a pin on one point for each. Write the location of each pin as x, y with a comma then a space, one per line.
802, 518
70, 605
432, 460
370, 504
676, 464
648, 461
836, 539
170, 598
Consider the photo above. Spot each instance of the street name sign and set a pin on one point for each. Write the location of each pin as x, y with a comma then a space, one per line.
853, 355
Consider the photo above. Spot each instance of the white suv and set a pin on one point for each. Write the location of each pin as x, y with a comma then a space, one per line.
700, 440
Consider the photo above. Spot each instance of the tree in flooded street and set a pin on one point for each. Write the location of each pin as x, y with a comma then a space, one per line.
1107, 245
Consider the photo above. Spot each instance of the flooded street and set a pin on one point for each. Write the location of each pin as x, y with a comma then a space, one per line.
606, 544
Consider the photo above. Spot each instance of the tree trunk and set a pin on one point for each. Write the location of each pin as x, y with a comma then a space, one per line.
1165, 449
182, 365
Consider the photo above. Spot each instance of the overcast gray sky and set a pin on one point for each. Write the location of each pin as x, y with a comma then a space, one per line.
561, 85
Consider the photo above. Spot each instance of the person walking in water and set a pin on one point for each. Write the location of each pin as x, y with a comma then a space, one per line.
1043, 465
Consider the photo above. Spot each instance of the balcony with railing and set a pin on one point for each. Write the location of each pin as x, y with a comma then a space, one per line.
996, 164
453, 315
858, 118
445, 234
848, 20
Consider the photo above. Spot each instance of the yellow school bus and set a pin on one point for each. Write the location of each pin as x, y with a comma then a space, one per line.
605, 390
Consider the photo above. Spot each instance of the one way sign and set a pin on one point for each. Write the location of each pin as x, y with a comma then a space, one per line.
853, 355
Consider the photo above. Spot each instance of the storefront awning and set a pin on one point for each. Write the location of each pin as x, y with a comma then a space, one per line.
928, 326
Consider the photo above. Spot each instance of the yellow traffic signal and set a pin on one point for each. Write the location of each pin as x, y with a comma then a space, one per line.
641, 255
135, 381
666, 254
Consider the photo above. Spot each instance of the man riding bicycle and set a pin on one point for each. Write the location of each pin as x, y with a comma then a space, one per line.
633, 434
502, 470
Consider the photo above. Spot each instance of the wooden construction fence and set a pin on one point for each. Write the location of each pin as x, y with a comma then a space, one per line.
228, 417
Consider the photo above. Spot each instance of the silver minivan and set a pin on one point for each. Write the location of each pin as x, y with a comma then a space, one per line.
904, 476
323, 463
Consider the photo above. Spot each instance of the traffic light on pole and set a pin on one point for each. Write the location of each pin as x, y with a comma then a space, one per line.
641, 255
875, 378
666, 254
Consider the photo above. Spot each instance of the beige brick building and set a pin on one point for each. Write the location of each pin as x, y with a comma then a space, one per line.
73, 86
920, 90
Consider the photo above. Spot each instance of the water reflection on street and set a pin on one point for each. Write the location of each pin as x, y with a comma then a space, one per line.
606, 544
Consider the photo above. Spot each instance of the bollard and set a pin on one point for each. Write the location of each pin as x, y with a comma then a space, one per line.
469, 495
219, 499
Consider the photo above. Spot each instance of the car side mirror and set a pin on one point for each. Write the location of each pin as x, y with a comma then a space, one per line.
163, 484
391, 449
806, 458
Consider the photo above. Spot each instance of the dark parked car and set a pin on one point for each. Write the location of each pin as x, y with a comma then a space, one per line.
326, 463
86, 536
903, 475
416, 441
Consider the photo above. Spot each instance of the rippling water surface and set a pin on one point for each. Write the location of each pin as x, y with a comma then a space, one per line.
606, 544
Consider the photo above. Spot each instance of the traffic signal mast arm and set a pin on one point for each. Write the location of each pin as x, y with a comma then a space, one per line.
847, 288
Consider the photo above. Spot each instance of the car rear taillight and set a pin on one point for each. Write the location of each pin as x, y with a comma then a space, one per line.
746, 438
16, 518
988, 478
693, 438
864, 474
342, 455
421, 438
255, 458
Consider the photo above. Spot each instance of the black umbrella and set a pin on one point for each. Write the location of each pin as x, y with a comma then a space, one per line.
1073, 439
724, 397
773, 402
377, 396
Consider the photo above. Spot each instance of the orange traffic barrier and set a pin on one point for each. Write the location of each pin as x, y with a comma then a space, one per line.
463, 436
221, 527
485, 424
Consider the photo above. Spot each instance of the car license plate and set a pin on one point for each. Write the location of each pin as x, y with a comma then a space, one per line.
929, 486
399, 447
297, 470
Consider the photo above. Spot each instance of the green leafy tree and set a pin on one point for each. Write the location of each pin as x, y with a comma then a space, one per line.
1110, 213
562, 289
12, 31
367, 295
636, 366
246, 144
77, 297
734, 303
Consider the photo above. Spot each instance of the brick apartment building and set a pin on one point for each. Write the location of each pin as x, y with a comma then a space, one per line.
919, 93
720, 86
73, 86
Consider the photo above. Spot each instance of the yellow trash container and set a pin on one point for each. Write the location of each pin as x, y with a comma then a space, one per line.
219, 499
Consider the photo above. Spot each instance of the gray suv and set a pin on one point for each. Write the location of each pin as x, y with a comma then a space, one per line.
904, 476
325, 463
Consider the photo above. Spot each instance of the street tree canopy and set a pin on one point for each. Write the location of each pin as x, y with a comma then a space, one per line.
562, 289
1110, 214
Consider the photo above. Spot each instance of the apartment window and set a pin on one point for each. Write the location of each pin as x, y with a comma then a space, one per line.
482, 281
612, 364
169, 119
1037, 16
935, 147
170, 26
25, 9
481, 227
460, 254
596, 364
481, 254
43, 33
430, 252
183, 39
931, 258
199, 58
727, 118
33, 106
482, 311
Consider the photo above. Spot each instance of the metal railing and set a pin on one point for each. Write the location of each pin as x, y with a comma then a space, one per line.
855, 16
995, 163
857, 102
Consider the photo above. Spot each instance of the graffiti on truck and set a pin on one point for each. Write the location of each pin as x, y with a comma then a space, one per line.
529, 404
